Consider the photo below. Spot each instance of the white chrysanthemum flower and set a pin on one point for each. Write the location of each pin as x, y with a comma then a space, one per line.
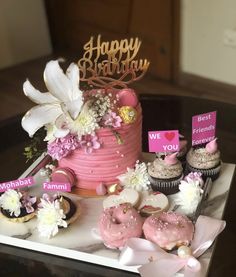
136, 178
85, 123
10, 201
50, 217
189, 196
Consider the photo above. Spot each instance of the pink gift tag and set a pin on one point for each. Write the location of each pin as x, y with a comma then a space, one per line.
56, 186
203, 128
163, 141
20, 183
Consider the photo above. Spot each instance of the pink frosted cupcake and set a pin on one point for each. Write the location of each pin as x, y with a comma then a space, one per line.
204, 159
165, 174
181, 155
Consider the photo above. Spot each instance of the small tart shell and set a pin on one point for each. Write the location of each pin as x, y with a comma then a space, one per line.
20, 219
65, 205
76, 215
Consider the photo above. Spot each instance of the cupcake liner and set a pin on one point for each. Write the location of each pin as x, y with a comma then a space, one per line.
168, 186
212, 173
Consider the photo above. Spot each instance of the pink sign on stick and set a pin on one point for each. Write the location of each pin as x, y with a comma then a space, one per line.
203, 128
17, 184
163, 141
56, 186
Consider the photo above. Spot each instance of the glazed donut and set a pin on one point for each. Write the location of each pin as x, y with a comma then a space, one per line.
118, 224
168, 230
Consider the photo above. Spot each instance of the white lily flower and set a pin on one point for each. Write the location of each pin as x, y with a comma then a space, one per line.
57, 130
51, 129
64, 97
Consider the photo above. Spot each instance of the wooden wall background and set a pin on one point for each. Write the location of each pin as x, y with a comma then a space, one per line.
72, 22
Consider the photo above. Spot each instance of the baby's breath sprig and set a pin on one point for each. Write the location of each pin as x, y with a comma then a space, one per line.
101, 104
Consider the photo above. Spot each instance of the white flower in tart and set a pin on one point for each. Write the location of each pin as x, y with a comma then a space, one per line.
50, 217
10, 201
64, 97
189, 196
136, 178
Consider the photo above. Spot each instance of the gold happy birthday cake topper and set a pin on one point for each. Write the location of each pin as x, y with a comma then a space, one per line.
103, 60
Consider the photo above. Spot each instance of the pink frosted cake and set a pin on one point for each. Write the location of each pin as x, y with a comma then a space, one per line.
111, 159
95, 133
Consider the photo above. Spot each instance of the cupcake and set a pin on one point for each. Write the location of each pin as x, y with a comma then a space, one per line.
181, 155
204, 159
17, 206
165, 174
55, 212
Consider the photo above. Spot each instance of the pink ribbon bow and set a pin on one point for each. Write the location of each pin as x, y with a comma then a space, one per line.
157, 262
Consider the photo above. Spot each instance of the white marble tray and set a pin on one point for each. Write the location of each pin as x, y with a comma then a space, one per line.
77, 242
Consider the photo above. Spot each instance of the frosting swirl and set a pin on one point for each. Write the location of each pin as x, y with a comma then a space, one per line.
161, 170
202, 159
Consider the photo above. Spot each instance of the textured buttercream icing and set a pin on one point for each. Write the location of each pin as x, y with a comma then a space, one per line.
111, 159
161, 170
201, 159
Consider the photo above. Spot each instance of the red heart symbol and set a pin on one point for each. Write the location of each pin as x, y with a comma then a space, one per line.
169, 135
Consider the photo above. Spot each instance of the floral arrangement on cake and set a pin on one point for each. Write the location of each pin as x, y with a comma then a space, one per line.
70, 116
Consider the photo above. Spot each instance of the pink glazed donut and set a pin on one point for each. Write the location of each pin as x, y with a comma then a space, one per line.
168, 230
118, 224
